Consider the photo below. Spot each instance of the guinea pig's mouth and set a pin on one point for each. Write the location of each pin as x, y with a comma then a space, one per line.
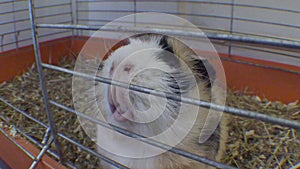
119, 114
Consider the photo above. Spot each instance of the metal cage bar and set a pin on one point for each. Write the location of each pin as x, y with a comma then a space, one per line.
41, 154
205, 104
42, 80
214, 36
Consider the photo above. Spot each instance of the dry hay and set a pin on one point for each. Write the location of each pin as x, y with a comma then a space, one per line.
25, 93
251, 143
255, 144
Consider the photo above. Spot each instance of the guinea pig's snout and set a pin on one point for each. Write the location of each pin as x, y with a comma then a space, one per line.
126, 105
118, 106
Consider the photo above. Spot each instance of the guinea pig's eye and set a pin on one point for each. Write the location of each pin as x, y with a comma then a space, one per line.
127, 68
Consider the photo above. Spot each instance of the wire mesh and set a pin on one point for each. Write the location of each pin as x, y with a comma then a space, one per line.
15, 25
75, 20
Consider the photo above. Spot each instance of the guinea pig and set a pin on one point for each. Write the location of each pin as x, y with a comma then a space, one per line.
165, 64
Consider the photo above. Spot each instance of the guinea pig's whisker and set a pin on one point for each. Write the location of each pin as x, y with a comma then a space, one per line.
95, 99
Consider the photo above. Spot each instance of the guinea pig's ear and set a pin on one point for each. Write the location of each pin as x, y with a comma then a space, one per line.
204, 69
163, 43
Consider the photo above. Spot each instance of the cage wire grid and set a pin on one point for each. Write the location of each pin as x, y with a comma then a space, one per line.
52, 135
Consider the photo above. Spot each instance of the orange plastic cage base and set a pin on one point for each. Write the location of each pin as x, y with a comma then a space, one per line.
16, 158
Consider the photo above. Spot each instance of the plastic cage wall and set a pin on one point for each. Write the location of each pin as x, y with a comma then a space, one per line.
257, 29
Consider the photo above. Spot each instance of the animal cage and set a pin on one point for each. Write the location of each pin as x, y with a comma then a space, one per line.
258, 43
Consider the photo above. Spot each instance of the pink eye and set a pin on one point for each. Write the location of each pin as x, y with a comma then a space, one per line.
128, 68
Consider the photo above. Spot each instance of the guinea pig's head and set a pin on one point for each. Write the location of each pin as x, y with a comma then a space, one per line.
147, 64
